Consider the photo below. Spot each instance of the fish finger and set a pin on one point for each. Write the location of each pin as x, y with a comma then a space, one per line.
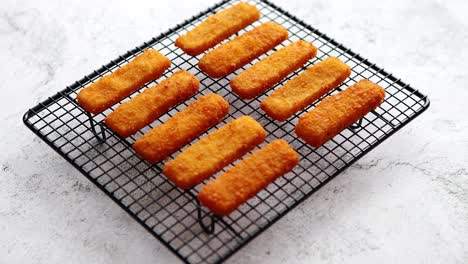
217, 27
234, 54
272, 69
153, 102
182, 128
304, 89
215, 151
339, 111
243, 181
112, 88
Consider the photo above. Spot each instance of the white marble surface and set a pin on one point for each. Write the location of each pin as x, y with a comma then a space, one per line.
405, 202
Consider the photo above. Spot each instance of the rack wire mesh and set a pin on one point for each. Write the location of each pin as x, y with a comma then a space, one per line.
174, 216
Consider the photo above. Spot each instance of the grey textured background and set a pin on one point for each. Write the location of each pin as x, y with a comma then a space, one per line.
405, 202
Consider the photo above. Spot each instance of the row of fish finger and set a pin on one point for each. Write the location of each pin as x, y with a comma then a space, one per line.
316, 127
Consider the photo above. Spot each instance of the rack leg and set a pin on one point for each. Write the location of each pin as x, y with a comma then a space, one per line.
383, 118
208, 228
93, 126
356, 125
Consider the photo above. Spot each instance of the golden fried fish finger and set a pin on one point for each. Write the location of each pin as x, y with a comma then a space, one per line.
215, 151
272, 69
305, 88
234, 54
217, 27
112, 88
182, 128
243, 181
153, 102
339, 111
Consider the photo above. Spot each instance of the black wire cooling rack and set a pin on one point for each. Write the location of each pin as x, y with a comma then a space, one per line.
174, 216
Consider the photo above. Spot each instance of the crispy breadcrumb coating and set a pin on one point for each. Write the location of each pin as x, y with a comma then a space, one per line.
264, 74
305, 88
339, 111
234, 54
248, 177
114, 87
153, 102
215, 151
217, 27
182, 128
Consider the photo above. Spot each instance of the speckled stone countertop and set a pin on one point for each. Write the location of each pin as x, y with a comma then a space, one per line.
404, 202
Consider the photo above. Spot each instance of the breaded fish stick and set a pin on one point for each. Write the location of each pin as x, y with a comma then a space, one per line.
182, 128
248, 177
153, 102
272, 69
112, 88
217, 27
339, 111
215, 151
305, 88
234, 54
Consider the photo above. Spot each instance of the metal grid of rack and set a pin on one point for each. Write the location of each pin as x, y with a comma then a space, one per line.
174, 216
